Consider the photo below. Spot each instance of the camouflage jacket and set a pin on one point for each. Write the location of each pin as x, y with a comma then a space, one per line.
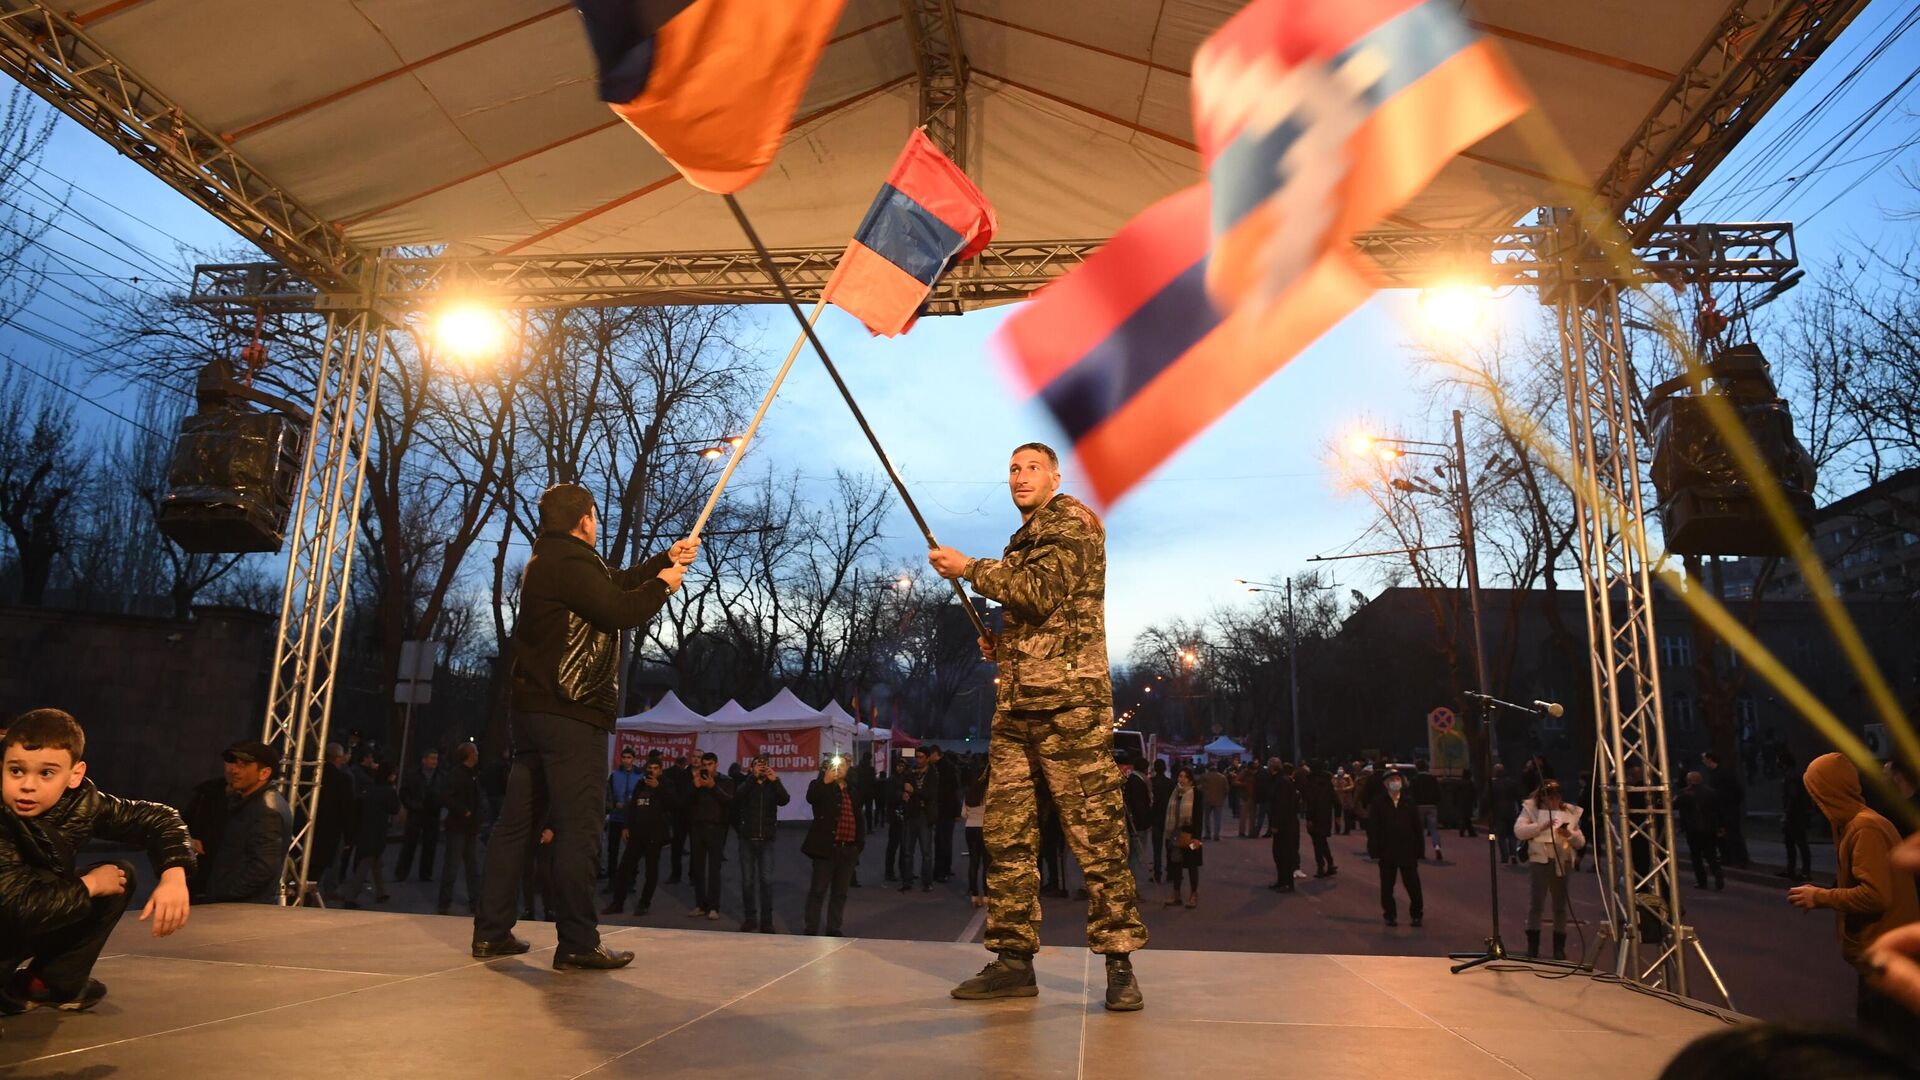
1052, 581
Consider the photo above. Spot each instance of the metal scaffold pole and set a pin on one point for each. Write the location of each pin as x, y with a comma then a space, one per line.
314, 600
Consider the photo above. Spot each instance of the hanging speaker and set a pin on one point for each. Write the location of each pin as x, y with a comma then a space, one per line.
231, 482
1707, 504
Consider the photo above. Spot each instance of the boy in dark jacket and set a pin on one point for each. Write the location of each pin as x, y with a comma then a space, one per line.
54, 918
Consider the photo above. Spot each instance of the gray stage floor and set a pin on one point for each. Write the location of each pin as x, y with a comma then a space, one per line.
260, 992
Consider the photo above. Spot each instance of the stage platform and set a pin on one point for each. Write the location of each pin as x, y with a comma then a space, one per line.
268, 994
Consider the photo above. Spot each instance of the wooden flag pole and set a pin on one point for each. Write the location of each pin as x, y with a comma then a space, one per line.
806, 329
740, 451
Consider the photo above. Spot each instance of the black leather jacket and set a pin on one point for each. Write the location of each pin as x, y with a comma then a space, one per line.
40, 891
253, 847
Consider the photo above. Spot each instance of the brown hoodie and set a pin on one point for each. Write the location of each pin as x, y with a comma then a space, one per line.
1870, 898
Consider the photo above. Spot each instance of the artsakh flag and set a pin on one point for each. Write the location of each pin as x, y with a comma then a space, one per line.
712, 84
927, 218
1132, 359
1317, 118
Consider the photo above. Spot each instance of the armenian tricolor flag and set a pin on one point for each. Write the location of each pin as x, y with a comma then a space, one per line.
927, 218
1133, 360
1317, 118
712, 84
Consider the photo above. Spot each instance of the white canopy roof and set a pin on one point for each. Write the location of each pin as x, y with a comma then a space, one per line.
1223, 746
784, 711
475, 124
841, 720
729, 715
669, 715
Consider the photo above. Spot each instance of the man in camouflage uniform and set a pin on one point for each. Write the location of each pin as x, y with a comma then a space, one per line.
1054, 716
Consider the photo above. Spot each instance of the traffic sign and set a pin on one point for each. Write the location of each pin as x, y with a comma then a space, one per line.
1441, 719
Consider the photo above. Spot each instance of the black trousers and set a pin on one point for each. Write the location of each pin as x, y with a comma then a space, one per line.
1286, 852
1322, 853
677, 838
462, 852
1796, 841
943, 847
1410, 877
559, 777
422, 832
1159, 847
637, 853
976, 861
829, 887
614, 829
895, 830
64, 958
1704, 848
704, 863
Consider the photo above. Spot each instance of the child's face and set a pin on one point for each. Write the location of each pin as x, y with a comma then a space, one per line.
33, 780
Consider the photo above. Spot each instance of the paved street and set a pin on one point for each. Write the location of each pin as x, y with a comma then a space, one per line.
1778, 963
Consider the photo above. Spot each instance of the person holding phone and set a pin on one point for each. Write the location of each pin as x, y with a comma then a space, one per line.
1550, 827
833, 843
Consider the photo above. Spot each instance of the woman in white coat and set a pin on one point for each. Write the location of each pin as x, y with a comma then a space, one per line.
1550, 827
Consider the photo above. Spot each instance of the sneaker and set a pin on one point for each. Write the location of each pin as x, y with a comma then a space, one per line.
25, 992
1008, 975
713, 915
696, 913
1123, 990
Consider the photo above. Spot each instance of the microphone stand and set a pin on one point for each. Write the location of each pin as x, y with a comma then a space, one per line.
1496, 949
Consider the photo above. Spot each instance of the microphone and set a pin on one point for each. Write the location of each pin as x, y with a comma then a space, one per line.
1549, 708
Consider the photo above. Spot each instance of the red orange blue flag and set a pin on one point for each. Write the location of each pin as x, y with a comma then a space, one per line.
927, 218
712, 84
1317, 118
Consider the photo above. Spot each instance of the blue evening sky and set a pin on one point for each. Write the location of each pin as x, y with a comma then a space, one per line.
1253, 497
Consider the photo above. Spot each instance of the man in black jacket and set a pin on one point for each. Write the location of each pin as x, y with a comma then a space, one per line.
565, 659
678, 777
943, 808
461, 800
51, 913
833, 843
1317, 799
259, 829
709, 809
651, 807
1139, 799
757, 802
1393, 838
1283, 824
419, 795
910, 802
332, 819
1162, 788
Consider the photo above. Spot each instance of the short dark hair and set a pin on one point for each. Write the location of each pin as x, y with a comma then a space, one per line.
48, 729
562, 506
1053, 459
711, 756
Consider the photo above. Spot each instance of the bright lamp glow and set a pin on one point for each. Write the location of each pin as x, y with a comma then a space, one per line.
903, 583
470, 331
712, 453
1453, 311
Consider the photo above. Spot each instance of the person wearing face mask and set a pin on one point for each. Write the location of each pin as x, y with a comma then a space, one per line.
1185, 825
1550, 827
1394, 841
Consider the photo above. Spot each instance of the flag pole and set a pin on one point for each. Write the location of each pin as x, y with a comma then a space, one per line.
806, 328
740, 451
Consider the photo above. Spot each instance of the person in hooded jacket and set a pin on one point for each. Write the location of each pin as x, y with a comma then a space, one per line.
1869, 898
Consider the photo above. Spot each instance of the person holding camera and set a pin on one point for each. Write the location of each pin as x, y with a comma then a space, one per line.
1550, 827
650, 809
709, 809
834, 841
758, 801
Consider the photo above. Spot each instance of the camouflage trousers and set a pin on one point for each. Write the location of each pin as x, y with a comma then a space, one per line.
1073, 750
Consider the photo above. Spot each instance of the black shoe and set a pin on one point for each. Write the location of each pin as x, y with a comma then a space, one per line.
928, 887
1391, 921
1559, 946
24, 993
613, 908
1533, 944
890, 877
1123, 990
1009, 975
506, 946
600, 959
1416, 922
643, 909
767, 927
908, 887
749, 926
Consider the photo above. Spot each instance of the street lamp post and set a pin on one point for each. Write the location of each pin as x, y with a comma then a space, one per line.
1293, 647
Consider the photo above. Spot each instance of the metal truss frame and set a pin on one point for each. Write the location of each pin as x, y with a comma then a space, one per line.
313, 604
46, 51
934, 29
1757, 52
1639, 866
1535, 256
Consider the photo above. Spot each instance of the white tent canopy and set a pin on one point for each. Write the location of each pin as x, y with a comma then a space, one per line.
1224, 747
669, 714
475, 125
727, 715
785, 710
